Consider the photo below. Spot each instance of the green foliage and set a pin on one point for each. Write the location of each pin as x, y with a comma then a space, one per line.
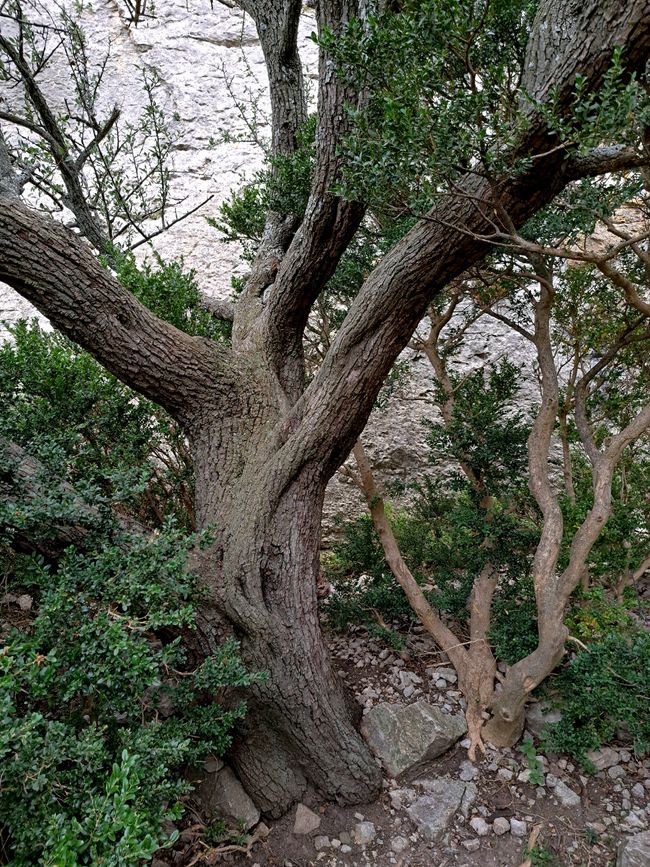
443, 81
488, 432
364, 588
451, 530
602, 688
541, 856
98, 714
446, 91
172, 293
536, 776
102, 703
85, 425
513, 629
618, 110
593, 616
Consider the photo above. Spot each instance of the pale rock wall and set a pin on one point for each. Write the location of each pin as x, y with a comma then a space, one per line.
206, 59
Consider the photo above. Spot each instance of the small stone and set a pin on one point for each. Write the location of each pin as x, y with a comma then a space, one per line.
518, 828
566, 796
505, 774
551, 781
524, 776
335, 843
638, 792
262, 831
472, 845
345, 850
441, 683
538, 716
616, 772
468, 771
399, 844
345, 838
603, 759
222, 794
25, 602
433, 813
306, 821
408, 691
447, 674
479, 826
634, 821
500, 826
363, 833
321, 842
408, 678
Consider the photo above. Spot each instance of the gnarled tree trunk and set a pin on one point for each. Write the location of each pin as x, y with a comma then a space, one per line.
264, 509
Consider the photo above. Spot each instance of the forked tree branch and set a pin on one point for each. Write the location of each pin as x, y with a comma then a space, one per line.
395, 296
328, 225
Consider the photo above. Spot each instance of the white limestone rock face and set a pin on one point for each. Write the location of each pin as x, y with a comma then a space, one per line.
207, 59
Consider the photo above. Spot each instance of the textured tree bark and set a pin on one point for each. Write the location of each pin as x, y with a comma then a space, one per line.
262, 570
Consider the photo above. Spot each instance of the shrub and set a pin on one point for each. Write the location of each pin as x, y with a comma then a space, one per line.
103, 705
99, 712
602, 688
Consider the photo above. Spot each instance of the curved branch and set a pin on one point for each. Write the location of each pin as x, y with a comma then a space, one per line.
57, 272
395, 296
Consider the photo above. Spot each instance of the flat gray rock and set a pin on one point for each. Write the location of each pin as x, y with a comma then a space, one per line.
305, 821
634, 852
566, 796
224, 795
433, 812
604, 758
406, 737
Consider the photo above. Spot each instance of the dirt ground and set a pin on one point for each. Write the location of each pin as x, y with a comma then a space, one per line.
605, 808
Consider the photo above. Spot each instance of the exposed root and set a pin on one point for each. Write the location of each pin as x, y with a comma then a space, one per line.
474, 719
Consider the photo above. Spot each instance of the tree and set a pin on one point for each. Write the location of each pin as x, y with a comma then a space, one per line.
577, 321
265, 441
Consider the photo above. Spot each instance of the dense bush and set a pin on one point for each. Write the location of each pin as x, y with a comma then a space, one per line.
97, 715
604, 689
450, 529
103, 703
448, 532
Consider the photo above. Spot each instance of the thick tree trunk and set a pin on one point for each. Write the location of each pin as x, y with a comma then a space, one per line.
262, 573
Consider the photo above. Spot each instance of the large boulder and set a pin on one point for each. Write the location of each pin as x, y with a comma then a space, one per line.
406, 737
635, 851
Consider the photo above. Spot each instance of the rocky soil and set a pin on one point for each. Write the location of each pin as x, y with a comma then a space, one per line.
437, 808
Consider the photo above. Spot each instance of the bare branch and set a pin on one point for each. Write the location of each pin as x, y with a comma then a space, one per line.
605, 160
220, 309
